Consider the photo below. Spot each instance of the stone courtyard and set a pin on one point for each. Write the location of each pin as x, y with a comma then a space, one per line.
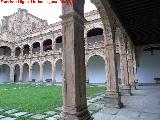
143, 105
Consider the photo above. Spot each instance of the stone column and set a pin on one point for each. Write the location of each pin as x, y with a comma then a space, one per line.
41, 47
12, 74
30, 73
74, 76
41, 72
53, 72
21, 74
130, 69
135, 66
87, 75
113, 96
125, 87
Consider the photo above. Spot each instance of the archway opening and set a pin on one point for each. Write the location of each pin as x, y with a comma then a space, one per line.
4, 73
25, 77
26, 49
16, 73
95, 36
59, 43
17, 51
5, 50
35, 72
47, 45
59, 71
96, 70
47, 71
36, 47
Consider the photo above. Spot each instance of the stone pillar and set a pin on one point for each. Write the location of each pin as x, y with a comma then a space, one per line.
12, 74
113, 96
21, 74
125, 87
53, 72
135, 66
87, 75
74, 76
41, 72
130, 69
41, 47
30, 73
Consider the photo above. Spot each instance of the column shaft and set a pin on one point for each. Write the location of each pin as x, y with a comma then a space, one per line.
74, 76
30, 73
41, 72
21, 74
12, 74
53, 73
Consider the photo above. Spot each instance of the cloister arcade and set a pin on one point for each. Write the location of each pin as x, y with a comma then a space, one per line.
75, 50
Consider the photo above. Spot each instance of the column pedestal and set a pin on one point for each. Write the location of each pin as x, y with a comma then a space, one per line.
125, 90
113, 100
80, 114
134, 85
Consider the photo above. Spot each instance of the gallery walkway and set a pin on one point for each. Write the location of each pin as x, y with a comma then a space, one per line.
143, 105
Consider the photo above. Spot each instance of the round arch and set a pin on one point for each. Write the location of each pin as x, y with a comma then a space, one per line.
5, 50
47, 71
17, 51
58, 43
25, 75
96, 69
58, 75
16, 73
4, 73
26, 49
47, 45
35, 72
95, 36
35, 47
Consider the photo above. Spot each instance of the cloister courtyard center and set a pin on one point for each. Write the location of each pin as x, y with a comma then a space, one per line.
101, 65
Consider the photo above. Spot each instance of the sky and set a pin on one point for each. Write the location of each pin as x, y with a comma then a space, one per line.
49, 12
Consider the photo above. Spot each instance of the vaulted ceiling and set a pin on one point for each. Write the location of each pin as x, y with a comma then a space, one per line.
140, 18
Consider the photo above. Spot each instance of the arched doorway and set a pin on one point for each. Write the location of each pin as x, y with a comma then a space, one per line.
59, 71
25, 77
4, 73
35, 72
96, 70
16, 73
47, 71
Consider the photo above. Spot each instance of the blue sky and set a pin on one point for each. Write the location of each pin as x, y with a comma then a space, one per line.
49, 12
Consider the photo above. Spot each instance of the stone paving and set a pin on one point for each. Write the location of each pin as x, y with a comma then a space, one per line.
143, 105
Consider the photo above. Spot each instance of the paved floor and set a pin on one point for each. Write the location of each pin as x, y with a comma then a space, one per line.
143, 105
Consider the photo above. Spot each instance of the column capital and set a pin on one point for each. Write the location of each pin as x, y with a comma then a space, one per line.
73, 16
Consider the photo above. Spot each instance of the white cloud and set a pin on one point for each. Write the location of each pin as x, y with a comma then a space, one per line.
49, 12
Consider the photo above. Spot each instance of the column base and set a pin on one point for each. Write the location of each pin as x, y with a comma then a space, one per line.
113, 100
73, 114
125, 90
